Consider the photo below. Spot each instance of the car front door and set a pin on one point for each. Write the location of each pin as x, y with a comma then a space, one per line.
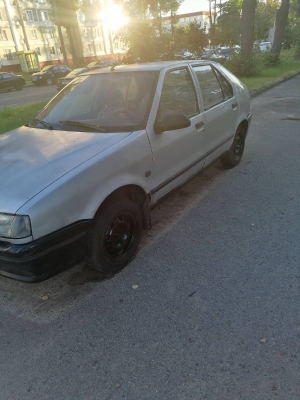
178, 154
221, 109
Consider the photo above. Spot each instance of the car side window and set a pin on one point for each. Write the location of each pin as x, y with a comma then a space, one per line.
210, 87
225, 85
178, 94
7, 76
56, 69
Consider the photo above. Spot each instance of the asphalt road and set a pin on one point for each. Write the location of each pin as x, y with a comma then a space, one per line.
216, 314
30, 94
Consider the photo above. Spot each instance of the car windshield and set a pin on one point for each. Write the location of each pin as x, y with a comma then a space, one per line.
46, 68
110, 102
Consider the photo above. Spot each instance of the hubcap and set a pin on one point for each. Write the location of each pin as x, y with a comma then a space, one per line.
119, 235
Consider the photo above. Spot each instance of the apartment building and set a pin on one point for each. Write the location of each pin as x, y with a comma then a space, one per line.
28, 26
201, 18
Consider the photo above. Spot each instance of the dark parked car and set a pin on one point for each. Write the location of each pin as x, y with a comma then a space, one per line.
49, 74
62, 82
11, 81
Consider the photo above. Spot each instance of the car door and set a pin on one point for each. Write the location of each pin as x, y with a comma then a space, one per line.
180, 153
7, 81
220, 108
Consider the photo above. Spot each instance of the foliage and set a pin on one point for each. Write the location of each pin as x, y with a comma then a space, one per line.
190, 38
270, 59
229, 21
265, 14
245, 66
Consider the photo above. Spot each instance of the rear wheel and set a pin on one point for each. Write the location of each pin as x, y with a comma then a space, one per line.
234, 155
115, 235
18, 86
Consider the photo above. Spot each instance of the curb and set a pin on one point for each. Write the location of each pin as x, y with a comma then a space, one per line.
272, 85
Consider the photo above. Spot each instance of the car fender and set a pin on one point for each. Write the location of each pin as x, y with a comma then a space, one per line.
77, 195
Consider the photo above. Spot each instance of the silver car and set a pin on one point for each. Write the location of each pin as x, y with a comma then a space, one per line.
80, 180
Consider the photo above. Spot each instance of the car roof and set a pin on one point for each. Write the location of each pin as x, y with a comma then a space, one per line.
151, 66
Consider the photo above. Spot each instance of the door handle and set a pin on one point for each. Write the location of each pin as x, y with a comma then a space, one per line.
199, 125
234, 106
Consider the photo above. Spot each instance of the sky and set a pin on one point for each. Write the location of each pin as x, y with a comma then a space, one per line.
188, 6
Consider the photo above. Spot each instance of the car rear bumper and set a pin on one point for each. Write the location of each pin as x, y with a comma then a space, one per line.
42, 258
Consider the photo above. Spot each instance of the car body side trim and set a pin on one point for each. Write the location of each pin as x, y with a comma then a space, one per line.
175, 176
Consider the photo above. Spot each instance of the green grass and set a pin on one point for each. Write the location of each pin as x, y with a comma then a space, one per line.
12, 118
270, 75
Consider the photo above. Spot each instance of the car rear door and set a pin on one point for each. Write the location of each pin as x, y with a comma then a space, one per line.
221, 109
177, 154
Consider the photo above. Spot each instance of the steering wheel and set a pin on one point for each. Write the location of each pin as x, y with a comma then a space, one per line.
130, 114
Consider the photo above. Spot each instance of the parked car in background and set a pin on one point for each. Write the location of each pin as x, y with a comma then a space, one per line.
11, 81
103, 152
49, 74
265, 46
62, 82
103, 62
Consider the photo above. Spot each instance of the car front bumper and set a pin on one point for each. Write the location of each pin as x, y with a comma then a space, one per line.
42, 258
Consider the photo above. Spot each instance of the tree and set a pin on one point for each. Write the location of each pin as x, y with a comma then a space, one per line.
247, 27
280, 24
264, 18
229, 23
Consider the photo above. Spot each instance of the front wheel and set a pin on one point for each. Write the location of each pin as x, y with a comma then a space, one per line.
234, 155
49, 81
18, 86
114, 237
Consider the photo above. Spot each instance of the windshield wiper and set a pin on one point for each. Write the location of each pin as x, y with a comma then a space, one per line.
40, 121
79, 124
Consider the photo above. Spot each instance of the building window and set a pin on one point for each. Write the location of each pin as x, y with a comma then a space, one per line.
116, 45
1, 17
41, 1
33, 34
44, 16
8, 54
85, 32
52, 50
29, 15
97, 32
89, 48
38, 51
99, 46
49, 33
3, 34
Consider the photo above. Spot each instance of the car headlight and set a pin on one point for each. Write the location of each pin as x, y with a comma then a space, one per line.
15, 226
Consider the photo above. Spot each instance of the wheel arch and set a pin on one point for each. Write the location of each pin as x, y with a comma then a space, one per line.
134, 193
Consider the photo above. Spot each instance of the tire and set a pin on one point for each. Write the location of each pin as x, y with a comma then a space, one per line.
49, 81
18, 86
115, 236
234, 155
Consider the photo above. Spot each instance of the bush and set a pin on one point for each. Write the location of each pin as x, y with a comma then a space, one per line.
247, 66
270, 59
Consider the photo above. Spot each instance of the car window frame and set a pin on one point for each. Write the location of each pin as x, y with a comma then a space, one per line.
182, 66
213, 69
229, 83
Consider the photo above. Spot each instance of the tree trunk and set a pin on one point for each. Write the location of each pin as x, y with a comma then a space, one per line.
280, 24
297, 53
247, 26
72, 46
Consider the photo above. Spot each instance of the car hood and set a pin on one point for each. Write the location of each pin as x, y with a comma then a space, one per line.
31, 159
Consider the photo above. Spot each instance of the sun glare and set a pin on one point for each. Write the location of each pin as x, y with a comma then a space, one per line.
113, 17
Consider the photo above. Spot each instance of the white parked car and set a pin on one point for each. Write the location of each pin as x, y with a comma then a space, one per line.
81, 179
265, 46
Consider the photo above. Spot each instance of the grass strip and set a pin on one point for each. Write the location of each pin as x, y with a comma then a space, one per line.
267, 76
11, 118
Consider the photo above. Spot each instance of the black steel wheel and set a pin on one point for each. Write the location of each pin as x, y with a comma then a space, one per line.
234, 155
115, 235
18, 86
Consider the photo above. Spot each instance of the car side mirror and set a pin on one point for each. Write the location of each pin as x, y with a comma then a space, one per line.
171, 122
